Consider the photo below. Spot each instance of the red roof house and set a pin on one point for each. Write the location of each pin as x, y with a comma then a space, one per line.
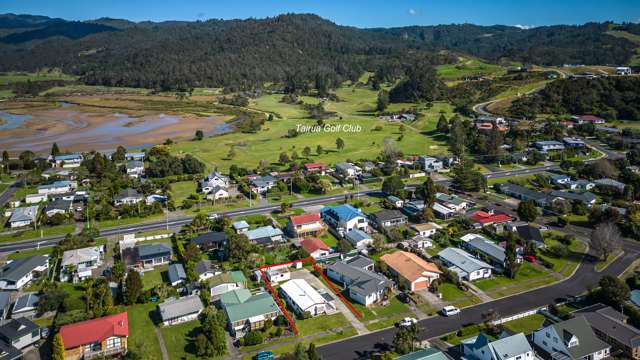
484, 218
316, 167
581, 119
105, 336
306, 225
315, 247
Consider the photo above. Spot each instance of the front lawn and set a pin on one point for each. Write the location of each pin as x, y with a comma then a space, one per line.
45, 231
152, 278
180, 339
529, 276
456, 297
142, 336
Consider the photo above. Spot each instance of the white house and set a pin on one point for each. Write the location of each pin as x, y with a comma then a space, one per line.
550, 145
217, 193
23, 216
358, 238
225, 282
315, 247
262, 184
464, 264
17, 273
57, 187
344, 218
134, 156
514, 347
35, 198
278, 274
623, 70
135, 168
430, 164
348, 170
78, 264
128, 197
303, 298
175, 311
427, 229
453, 202
212, 180
571, 339
66, 161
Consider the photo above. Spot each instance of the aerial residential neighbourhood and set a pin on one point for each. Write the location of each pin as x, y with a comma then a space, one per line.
413, 180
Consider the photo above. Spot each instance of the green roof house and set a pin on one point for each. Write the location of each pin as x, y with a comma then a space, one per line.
225, 282
424, 354
246, 311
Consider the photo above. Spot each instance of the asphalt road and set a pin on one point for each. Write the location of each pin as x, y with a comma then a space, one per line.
6, 195
362, 347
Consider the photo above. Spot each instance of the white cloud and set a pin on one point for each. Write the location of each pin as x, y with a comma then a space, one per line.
412, 12
524, 27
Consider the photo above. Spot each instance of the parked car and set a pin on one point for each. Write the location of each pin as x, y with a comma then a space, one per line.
264, 355
213, 216
530, 258
408, 321
450, 311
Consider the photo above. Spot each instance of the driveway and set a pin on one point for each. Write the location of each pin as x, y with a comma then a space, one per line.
318, 284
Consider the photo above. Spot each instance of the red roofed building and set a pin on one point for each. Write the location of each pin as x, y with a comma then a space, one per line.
317, 167
306, 225
483, 218
315, 247
582, 119
105, 336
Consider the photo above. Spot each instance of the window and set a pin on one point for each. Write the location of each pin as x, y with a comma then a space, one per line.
35, 333
113, 342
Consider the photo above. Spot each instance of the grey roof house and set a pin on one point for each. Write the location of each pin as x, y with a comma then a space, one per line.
20, 333
364, 286
464, 264
23, 216
571, 339
17, 273
611, 327
175, 311
176, 274
211, 241
506, 348
25, 306
388, 218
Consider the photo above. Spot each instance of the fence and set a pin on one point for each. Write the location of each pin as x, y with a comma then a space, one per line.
518, 316
130, 240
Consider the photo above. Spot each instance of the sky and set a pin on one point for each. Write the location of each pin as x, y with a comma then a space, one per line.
359, 13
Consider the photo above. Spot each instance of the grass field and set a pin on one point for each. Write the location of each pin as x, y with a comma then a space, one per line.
182, 189
528, 277
180, 339
142, 336
154, 277
17, 77
468, 67
457, 297
33, 234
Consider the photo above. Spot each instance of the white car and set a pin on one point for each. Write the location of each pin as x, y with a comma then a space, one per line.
408, 321
213, 216
450, 311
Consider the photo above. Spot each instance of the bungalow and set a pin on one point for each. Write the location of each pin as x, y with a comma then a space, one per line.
57, 187
217, 193
588, 119
278, 274
396, 201
176, 311
134, 156
247, 312
155, 198
58, 206
262, 184
78, 264
506, 348
17, 273
443, 212
388, 218
20, 333
135, 169
575, 143
452, 202
559, 179
551, 145
101, 337
225, 282
424, 354
23, 216
315, 247
316, 168
213, 240
127, 197
412, 271
530, 233
204, 269
364, 286
241, 227
523, 193
610, 184
176, 274
482, 219
300, 226
481, 246
344, 218
430, 164
581, 184
265, 235
212, 180
358, 238
66, 161
147, 256
612, 327
348, 170
586, 197
25, 306
303, 298
570, 339
464, 264
427, 229
623, 70
35, 198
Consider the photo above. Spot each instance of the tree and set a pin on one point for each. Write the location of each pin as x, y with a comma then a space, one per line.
343, 246
383, 101
55, 150
284, 158
466, 178
429, 192
132, 288
319, 150
605, 239
527, 210
306, 152
457, 137
312, 352
613, 291
253, 338
340, 143
443, 124
404, 339
511, 257
392, 185
199, 135
57, 351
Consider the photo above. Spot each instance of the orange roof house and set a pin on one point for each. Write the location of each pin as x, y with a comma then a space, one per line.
105, 336
303, 225
315, 247
412, 271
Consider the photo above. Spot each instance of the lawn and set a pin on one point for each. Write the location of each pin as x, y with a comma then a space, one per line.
329, 239
524, 325
601, 265
103, 224
379, 317
566, 265
220, 206
18, 77
142, 336
180, 339
181, 190
468, 67
456, 297
40, 232
529, 276
155, 277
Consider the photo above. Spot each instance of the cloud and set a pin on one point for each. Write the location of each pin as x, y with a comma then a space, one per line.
412, 12
524, 27
200, 15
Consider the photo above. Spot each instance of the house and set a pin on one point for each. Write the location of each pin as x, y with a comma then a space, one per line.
364, 286
361, 262
20, 333
225, 282
524, 194
419, 242
482, 219
241, 227
25, 306
247, 312
78, 264
101, 337
134, 156
317, 168
424, 354
452, 202
575, 143
176, 311
396, 201
155, 198
303, 298
23, 216
278, 274
344, 218
66, 161
17, 273
427, 229
204, 269
570, 339
315, 247
412, 271
57, 187
265, 235
262, 184
586, 198
430, 164
551, 145
304, 225
623, 70
58, 206
35, 198
5, 304
217, 193
388, 218
588, 119
213, 240
146, 256
358, 238
506, 348
581, 184
348, 170
176, 274
127, 197
612, 327
212, 180
464, 264
442, 212
559, 179
609, 184
530, 233
480, 246
135, 168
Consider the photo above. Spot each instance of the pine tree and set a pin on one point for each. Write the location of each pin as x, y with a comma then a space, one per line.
55, 150
443, 124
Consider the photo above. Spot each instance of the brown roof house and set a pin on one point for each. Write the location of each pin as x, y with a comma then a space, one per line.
412, 271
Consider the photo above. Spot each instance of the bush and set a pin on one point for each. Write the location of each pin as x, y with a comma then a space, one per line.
253, 338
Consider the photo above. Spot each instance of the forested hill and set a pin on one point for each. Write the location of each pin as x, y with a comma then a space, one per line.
289, 48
